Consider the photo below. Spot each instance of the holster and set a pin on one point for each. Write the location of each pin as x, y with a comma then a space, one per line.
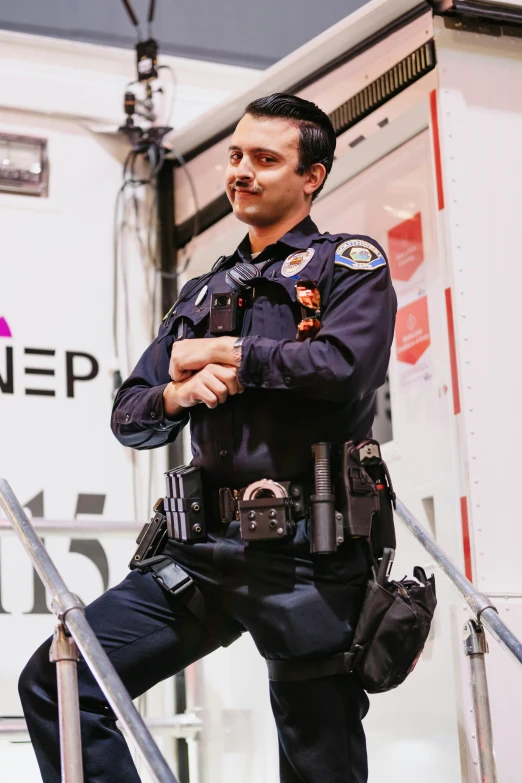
175, 580
364, 494
152, 538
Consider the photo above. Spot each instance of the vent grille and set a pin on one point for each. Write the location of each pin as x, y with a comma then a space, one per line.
398, 78
387, 86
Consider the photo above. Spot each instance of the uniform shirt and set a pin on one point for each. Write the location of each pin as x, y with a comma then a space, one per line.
296, 393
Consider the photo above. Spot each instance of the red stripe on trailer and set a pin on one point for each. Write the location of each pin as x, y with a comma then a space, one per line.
465, 538
436, 148
453, 352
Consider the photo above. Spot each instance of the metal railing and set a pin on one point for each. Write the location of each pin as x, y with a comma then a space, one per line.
79, 528
70, 613
475, 643
184, 725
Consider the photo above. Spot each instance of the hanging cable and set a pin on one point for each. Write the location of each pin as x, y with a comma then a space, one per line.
196, 222
174, 83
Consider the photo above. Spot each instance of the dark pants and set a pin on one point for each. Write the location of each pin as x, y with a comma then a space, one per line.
294, 605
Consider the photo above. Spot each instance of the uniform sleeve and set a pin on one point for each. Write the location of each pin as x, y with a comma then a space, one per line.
349, 356
138, 417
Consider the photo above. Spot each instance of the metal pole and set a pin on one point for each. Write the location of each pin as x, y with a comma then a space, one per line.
476, 646
69, 610
169, 293
64, 653
479, 604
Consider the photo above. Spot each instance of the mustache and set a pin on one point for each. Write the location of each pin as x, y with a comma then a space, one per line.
255, 189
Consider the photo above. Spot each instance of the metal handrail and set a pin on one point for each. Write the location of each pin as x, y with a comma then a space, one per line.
479, 604
69, 611
92, 528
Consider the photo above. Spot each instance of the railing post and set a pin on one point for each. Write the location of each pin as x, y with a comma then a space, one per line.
64, 653
476, 646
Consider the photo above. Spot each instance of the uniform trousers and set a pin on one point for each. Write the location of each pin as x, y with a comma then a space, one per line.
294, 604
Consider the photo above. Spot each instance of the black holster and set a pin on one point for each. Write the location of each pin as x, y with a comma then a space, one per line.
364, 494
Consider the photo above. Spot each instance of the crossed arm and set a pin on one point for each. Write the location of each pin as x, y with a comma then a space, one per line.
348, 357
202, 371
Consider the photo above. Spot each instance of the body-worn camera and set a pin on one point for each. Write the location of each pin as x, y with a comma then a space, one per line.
226, 313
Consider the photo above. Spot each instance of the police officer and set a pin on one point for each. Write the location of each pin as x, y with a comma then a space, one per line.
294, 372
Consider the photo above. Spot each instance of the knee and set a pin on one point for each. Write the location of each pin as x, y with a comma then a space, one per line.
38, 676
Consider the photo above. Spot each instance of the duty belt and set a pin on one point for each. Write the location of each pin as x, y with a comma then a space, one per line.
265, 509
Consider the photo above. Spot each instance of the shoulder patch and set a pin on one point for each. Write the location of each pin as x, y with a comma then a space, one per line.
359, 254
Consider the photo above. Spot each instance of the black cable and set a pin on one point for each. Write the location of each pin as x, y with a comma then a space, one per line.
196, 221
132, 15
137, 229
115, 257
174, 90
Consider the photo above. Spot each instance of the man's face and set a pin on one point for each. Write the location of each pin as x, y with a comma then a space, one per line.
261, 180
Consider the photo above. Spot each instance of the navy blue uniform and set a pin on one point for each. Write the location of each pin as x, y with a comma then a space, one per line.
297, 393
294, 604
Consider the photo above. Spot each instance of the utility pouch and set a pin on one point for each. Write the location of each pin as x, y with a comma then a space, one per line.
183, 503
152, 538
365, 495
392, 629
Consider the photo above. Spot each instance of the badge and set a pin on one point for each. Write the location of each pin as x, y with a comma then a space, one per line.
359, 254
296, 262
202, 294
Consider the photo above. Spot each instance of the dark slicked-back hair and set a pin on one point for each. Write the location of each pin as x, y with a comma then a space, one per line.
316, 134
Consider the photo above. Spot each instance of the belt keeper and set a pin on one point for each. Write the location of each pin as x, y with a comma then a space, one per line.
226, 505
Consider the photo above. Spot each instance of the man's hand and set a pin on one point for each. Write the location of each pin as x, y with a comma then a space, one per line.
188, 356
211, 385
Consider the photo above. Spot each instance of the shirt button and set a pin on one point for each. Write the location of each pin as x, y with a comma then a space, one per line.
287, 380
127, 417
256, 379
152, 415
223, 453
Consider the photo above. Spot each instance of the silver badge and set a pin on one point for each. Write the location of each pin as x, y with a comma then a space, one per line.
296, 262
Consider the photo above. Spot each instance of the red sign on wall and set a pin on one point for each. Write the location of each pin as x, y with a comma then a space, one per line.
412, 331
405, 248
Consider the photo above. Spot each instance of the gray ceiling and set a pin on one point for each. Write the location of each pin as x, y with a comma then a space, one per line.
241, 32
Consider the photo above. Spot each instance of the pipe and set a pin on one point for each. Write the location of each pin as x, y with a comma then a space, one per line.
476, 646
64, 653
